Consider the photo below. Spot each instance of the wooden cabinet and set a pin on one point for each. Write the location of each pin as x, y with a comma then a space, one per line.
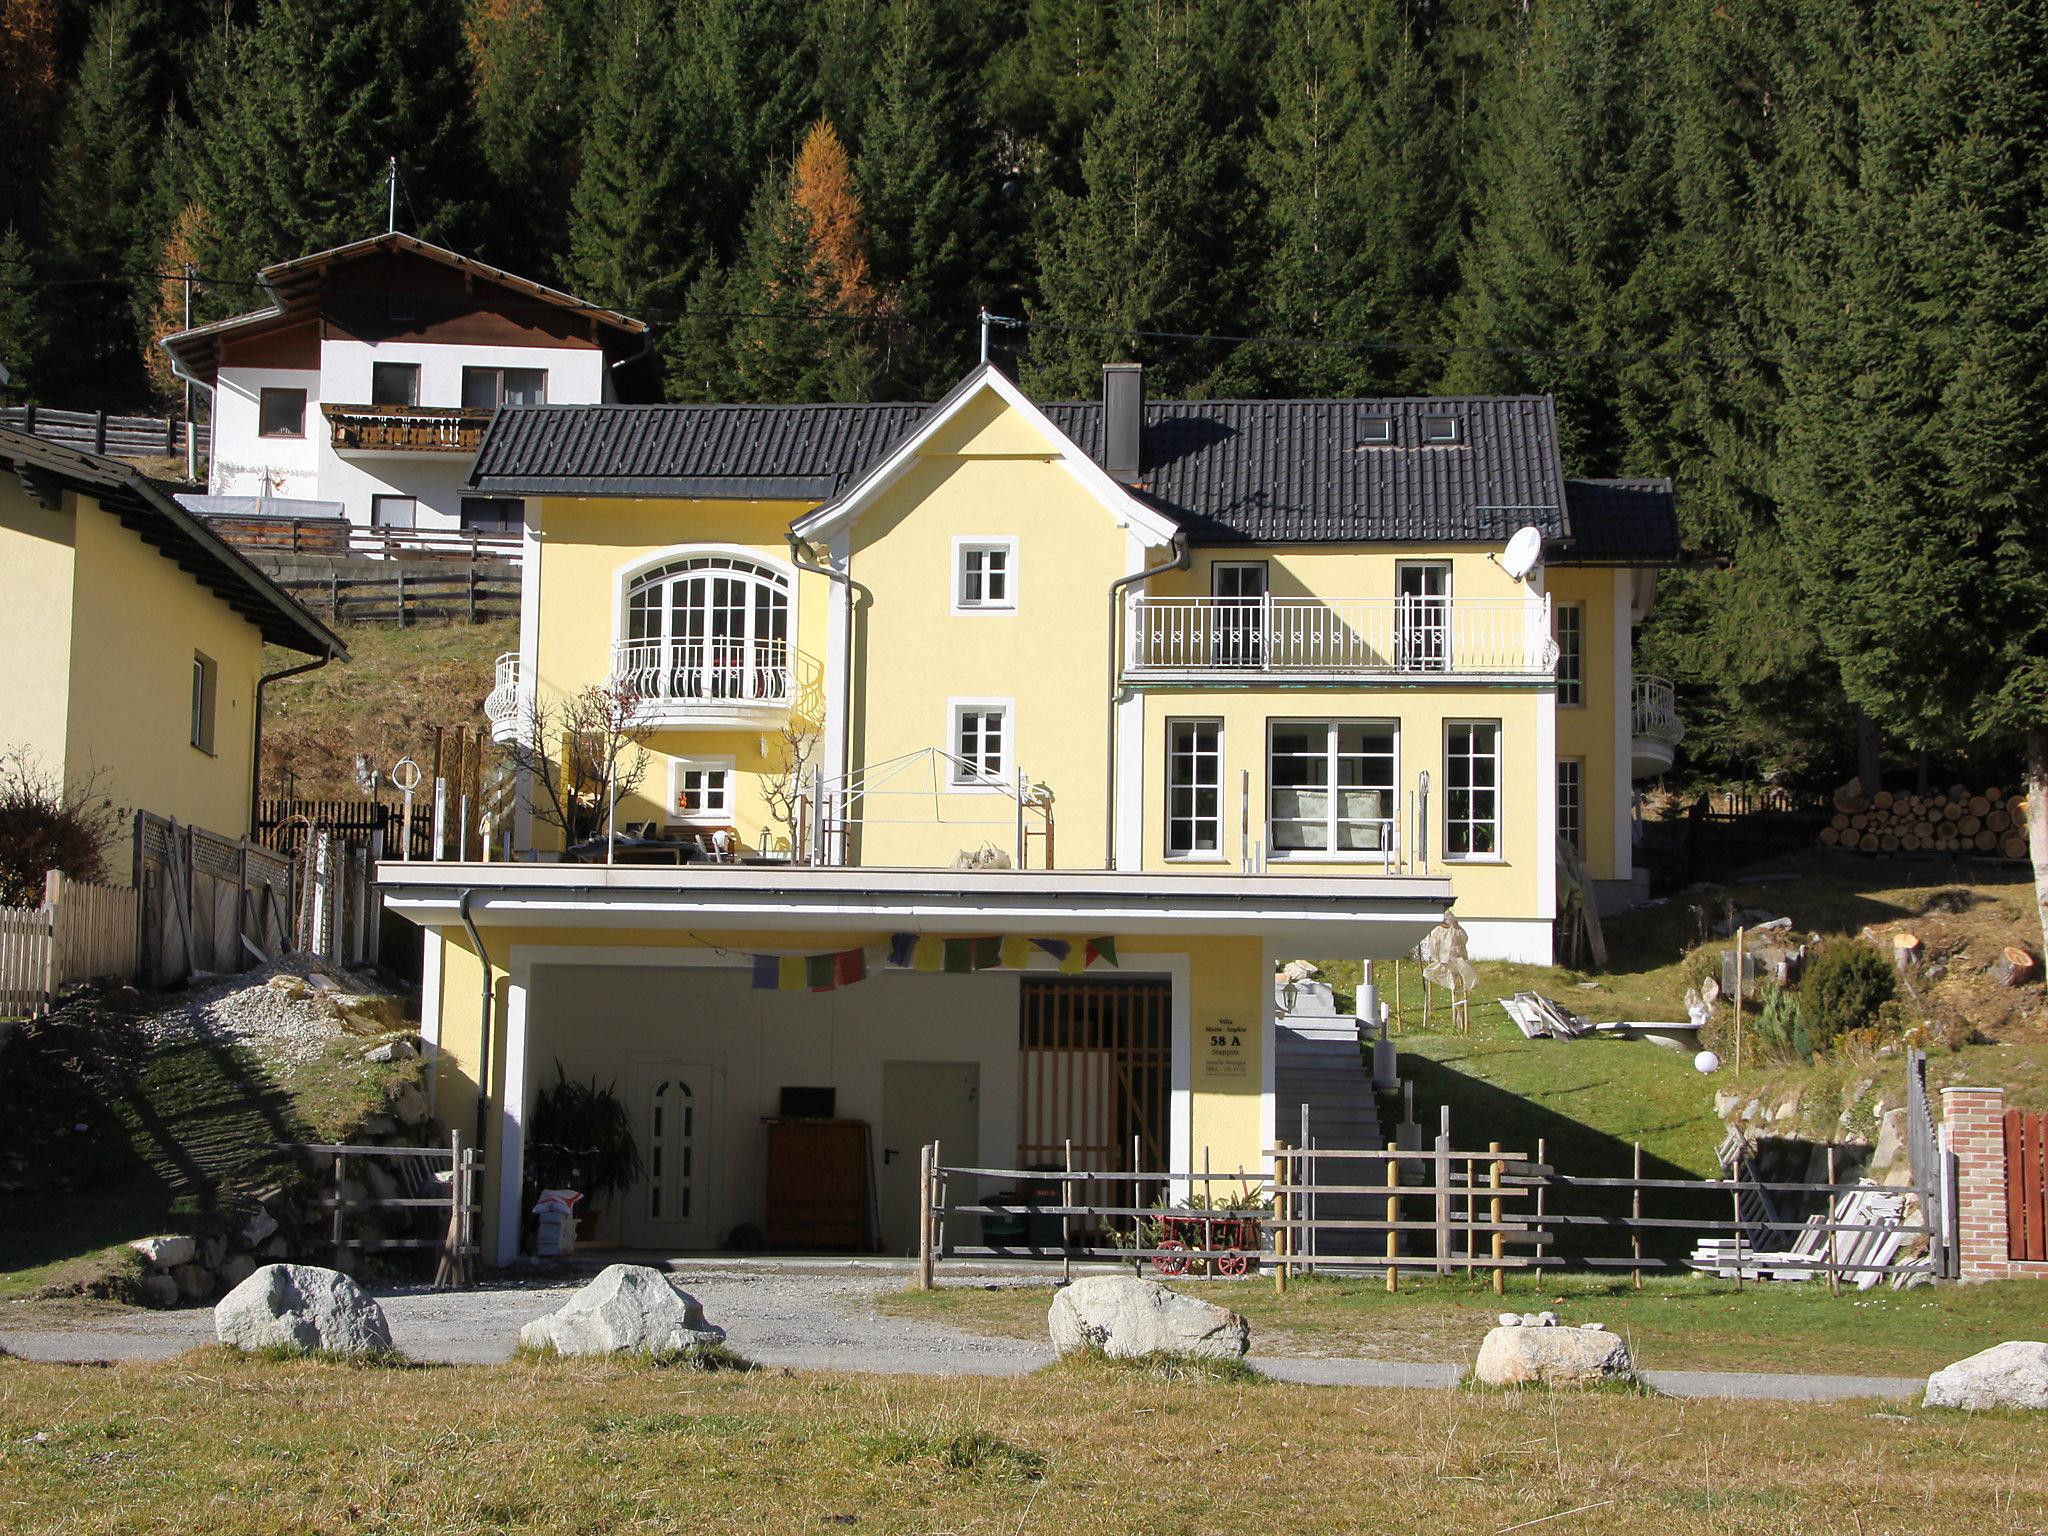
818, 1184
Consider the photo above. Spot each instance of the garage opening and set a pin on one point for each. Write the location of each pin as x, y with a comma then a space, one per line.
1096, 1069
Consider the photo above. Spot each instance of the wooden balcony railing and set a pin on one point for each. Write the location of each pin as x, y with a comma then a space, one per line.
405, 428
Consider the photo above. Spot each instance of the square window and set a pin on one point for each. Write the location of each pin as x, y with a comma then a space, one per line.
980, 747
1375, 431
1441, 429
984, 575
1330, 787
700, 790
394, 383
1472, 789
205, 684
485, 389
281, 413
1570, 620
394, 512
1194, 788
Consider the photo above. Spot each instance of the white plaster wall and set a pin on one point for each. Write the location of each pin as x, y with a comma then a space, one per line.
575, 375
242, 458
594, 1019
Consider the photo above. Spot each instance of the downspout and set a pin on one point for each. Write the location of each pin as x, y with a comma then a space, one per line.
1182, 558
191, 431
845, 579
487, 996
256, 743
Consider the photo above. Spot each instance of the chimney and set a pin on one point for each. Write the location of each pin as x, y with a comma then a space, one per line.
1123, 421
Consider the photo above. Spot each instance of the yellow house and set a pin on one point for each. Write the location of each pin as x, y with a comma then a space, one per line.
1129, 702
134, 639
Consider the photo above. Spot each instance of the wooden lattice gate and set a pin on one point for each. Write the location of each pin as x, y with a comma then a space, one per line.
2026, 1186
1096, 1071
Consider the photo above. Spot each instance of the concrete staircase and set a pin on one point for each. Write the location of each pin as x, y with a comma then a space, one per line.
1318, 1065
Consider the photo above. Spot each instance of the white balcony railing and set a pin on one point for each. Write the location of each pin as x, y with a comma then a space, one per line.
1654, 712
678, 680
1225, 638
501, 704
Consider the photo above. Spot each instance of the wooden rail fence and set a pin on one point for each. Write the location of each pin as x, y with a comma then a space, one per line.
426, 1193
81, 932
100, 432
282, 534
477, 593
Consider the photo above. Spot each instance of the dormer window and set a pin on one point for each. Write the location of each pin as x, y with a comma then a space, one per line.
1440, 431
1375, 431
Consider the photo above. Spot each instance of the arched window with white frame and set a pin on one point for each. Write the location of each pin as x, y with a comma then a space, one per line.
710, 626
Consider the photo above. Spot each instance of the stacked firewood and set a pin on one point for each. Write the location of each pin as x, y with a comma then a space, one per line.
1956, 820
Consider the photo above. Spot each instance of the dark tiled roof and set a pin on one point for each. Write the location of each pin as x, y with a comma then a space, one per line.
148, 512
800, 452
1295, 472
1621, 522
1230, 471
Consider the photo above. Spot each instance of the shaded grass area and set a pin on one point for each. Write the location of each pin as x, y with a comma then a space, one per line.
1690, 1323
171, 1136
265, 1448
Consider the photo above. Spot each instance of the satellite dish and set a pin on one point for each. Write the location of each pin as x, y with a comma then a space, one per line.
1524, 553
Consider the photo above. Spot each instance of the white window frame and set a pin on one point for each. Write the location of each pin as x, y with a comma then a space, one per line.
957, 781
1497, 789
1571, 805
1454, 424
1174, 726
1332, 854
205, 700
677, 767
1002, 544
1571, 683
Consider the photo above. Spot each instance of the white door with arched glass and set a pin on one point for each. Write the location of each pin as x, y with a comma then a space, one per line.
672, 1103
706, 634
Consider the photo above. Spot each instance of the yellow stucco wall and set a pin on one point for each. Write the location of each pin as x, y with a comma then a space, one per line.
988, 475
1588, 731
100, 633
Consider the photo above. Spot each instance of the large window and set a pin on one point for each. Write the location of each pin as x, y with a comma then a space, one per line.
984, 574
1331, 787
205, 684
281, 413
1571, 654
709, 626
485, 389
394, 383
1571, 803
1194, 788
981, 742
1472, 789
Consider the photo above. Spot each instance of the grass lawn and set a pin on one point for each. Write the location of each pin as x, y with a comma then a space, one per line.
211, 1442
1694, 1323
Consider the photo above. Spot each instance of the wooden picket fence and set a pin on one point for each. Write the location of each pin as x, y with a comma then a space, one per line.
81, 932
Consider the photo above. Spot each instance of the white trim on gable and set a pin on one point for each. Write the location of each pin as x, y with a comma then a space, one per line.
1153, 528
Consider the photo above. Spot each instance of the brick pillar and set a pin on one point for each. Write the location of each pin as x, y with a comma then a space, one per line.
1975, 1121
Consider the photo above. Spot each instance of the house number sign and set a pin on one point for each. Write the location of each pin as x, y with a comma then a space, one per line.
1225, 1054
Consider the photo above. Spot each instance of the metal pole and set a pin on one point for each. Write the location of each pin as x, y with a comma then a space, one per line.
391, 198
1635, 1231
191, 437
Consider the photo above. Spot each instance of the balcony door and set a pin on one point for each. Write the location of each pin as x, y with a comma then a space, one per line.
1422, 626
708, 627
1238, 638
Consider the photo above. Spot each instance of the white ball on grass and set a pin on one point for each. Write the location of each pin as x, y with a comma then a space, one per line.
1707, 1061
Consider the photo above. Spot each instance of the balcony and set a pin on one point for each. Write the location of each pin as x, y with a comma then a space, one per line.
501, 704
380, 429
1655, 726
708, 684
1410, 639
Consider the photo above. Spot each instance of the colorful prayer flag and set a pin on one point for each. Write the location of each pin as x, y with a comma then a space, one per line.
1102, 949
930, 954
901, 947
1057, 948
820, 971
988, 953
959, 956
790, 973
1016, 952
849, 966
767, 971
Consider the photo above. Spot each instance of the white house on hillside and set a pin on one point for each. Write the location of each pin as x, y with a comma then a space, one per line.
364, 387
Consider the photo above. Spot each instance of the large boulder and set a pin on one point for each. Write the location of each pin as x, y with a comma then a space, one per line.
166, 1252
628, 1308
1125, 1318
1523, 1355
2009, 1375
301, 1306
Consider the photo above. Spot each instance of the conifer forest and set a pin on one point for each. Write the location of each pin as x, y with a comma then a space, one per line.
1791, 253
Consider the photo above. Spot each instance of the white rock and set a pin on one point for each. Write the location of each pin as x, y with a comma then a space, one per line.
166, 1252
390, 1051
2009, 1375
1125, 1318
1532, 1320
1511, 1319
409, 1105
1592, 1327
301, 1306
258, 1227
1547, 1319
627, 1308
1560, 1357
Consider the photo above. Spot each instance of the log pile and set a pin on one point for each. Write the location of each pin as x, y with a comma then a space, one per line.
1956, 820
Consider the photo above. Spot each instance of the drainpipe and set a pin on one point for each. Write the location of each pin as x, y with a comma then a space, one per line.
1182, 557
844, 579
256, 734
487, 996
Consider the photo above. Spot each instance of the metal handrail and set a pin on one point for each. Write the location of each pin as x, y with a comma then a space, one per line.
1363, 636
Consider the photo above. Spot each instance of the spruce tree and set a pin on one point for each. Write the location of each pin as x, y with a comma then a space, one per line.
528, 71
22, 337
746, 85
1147, 243
634, 239
30, 98
788, 342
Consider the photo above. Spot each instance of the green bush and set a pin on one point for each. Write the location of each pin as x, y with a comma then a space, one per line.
1781, 1025
1844, 986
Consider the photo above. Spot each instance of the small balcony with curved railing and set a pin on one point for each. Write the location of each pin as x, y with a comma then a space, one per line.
501, 704
737, 684
1654, 726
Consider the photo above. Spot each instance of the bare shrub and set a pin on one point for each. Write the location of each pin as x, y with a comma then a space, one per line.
46, 825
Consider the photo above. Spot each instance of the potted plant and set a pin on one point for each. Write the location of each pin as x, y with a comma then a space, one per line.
581, 1139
